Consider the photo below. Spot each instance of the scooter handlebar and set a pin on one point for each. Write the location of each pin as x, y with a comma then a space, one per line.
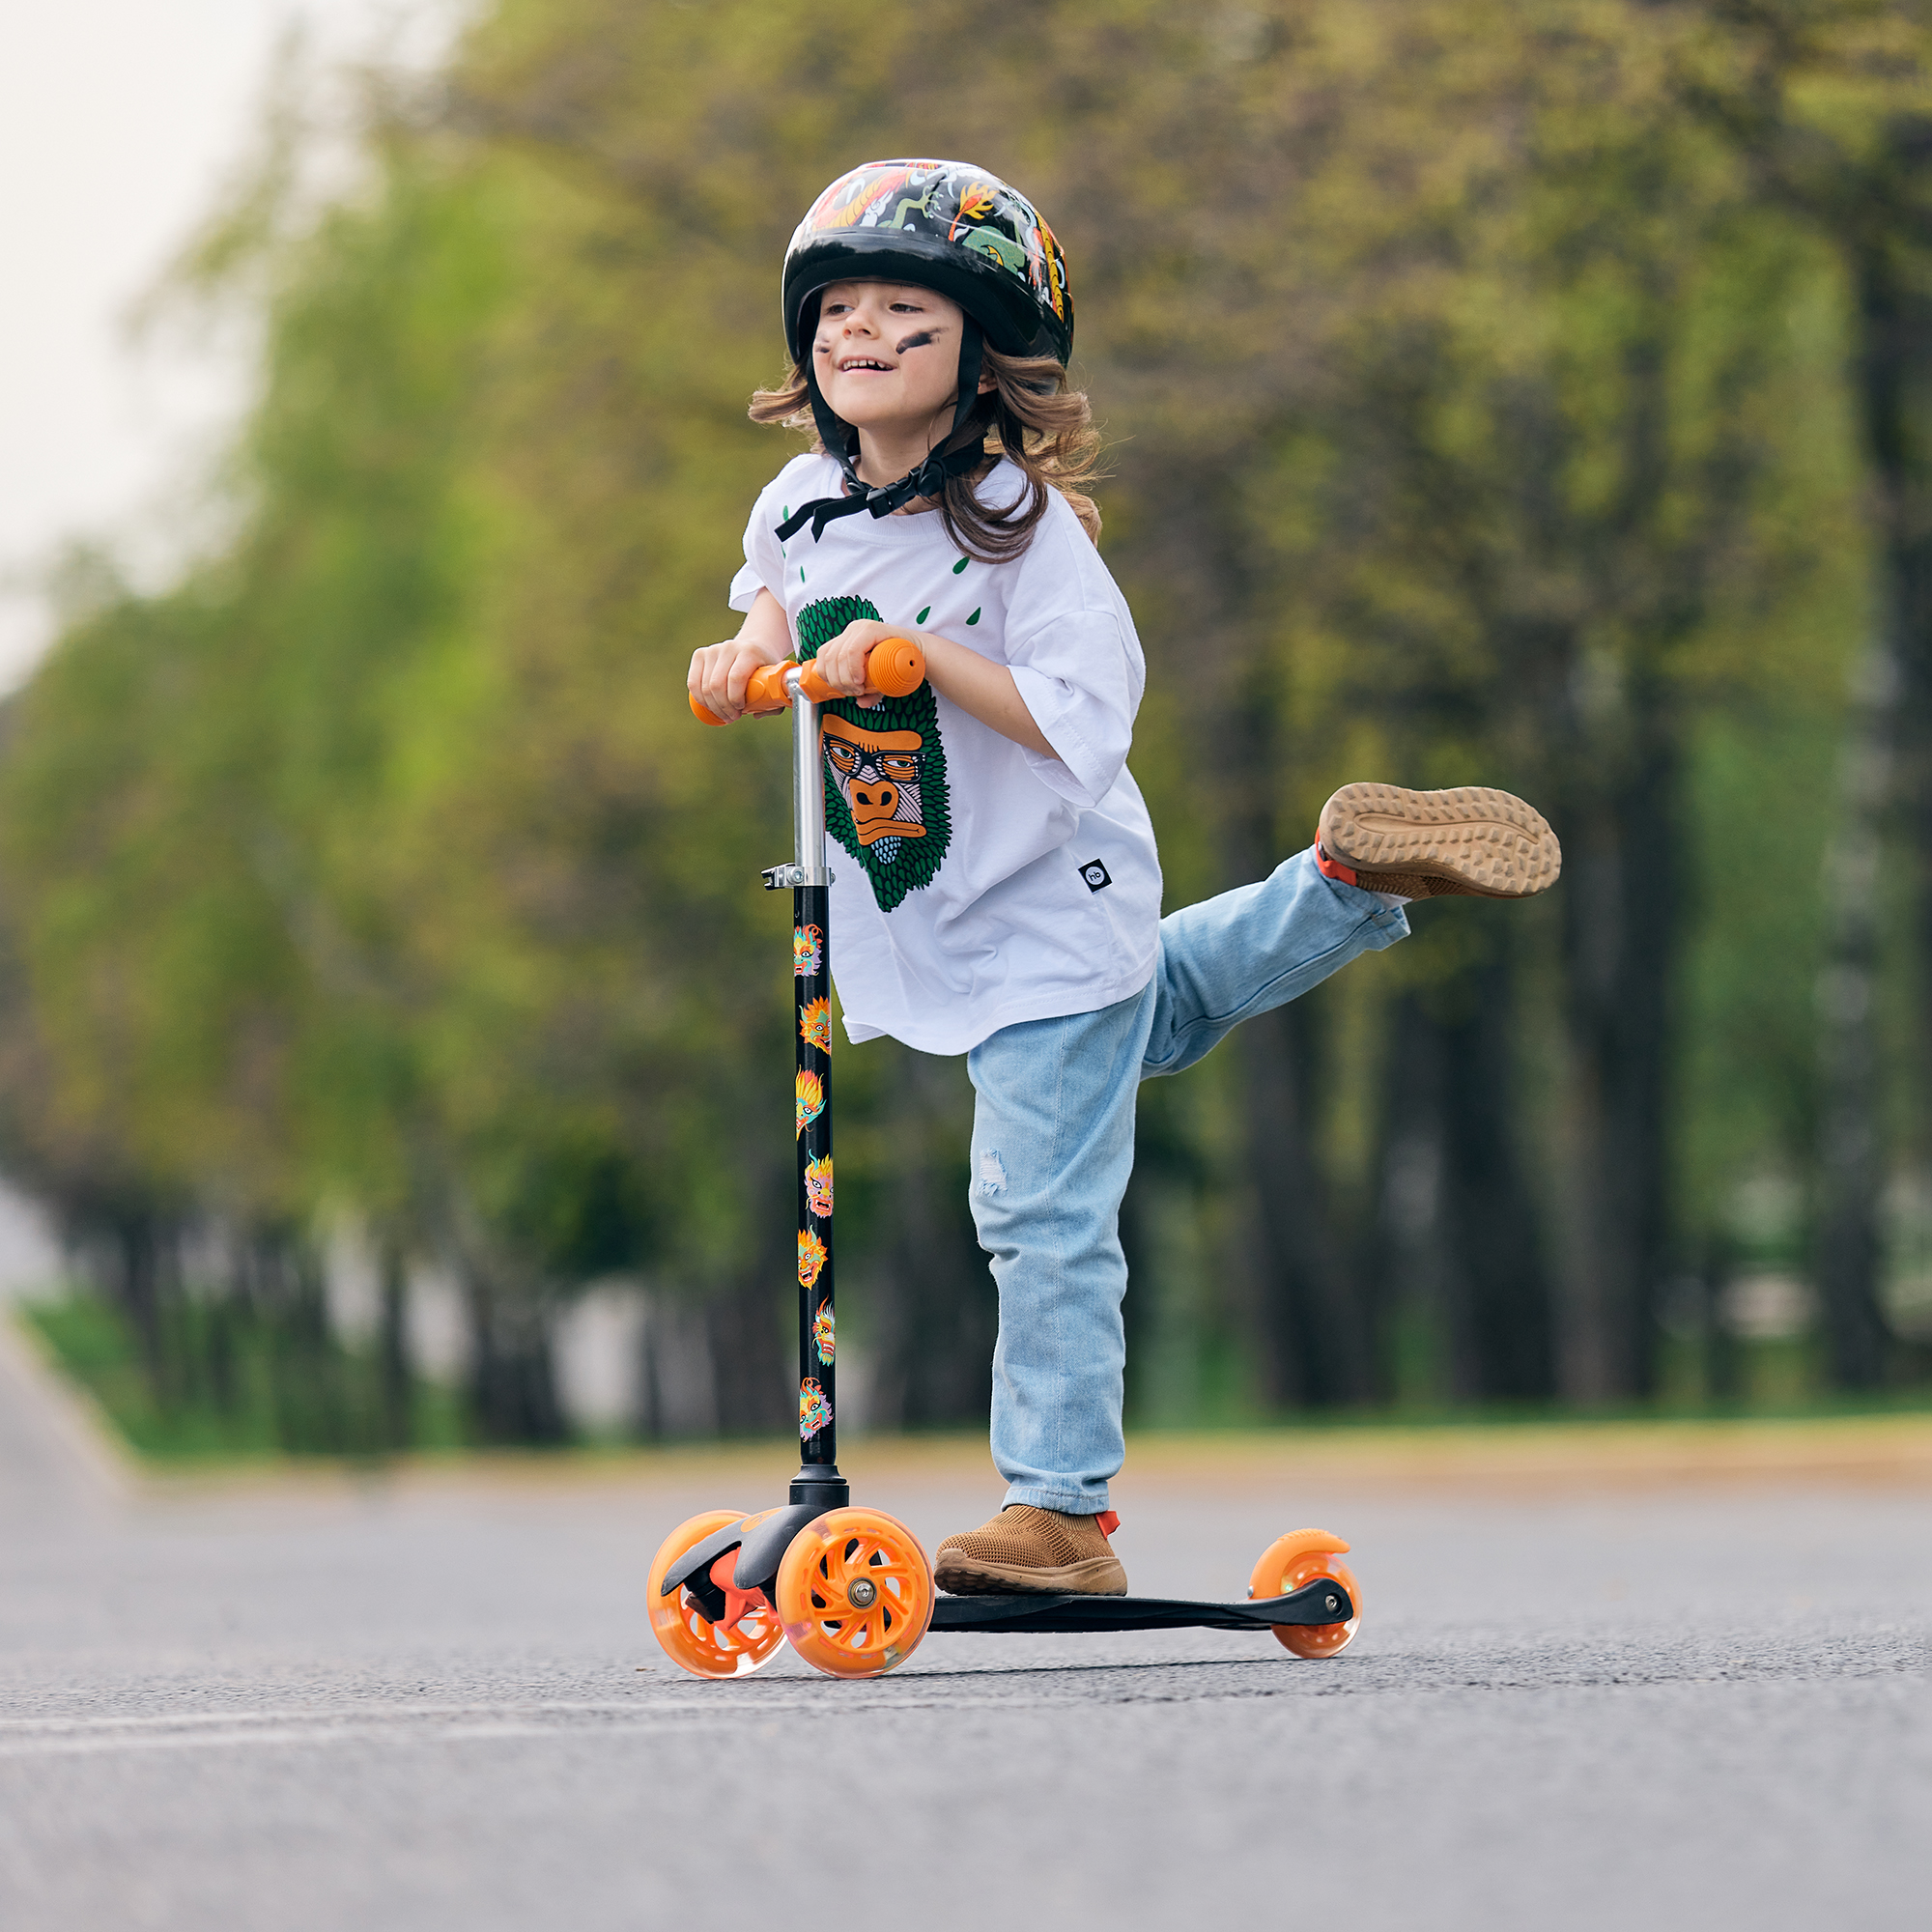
896, 666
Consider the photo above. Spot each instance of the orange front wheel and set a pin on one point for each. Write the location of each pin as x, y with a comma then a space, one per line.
855, 1593
1298, 1558
730, 1649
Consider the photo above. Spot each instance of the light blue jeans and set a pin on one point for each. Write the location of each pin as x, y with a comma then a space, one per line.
1053, 1145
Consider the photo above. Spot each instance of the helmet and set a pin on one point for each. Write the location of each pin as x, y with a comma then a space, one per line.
944, 225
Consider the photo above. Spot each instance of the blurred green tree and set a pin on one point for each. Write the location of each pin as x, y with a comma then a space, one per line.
1479, 390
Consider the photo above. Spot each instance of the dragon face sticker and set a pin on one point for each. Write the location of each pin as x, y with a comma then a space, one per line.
886, 798
824, 1341
809, 1096
818, 1186
815, 1025
808, 951
810, 1259
814, 1411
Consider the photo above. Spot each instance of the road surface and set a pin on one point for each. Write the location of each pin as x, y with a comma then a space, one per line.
433, 1704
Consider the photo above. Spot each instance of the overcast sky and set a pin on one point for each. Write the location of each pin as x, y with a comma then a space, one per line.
120, 121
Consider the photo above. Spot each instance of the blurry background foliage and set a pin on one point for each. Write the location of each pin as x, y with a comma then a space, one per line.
1530, 392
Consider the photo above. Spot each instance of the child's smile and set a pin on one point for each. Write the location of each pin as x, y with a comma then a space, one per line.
886, 356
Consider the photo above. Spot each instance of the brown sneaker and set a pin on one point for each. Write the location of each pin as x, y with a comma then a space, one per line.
1424, 843
1029, 1549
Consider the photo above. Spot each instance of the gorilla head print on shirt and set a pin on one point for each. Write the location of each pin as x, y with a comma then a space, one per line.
886, 798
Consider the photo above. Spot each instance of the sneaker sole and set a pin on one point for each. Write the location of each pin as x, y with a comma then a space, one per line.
971, 1577
1488, 842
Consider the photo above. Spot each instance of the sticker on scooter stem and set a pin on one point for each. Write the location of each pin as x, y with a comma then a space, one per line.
815, 1025
808, 951
814, 1411
810, 1257
818, 1186
823, 1338
808, 1096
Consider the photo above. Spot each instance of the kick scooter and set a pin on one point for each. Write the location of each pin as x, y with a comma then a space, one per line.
851, 1588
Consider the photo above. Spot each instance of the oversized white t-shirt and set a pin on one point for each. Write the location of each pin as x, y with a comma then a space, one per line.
976, 883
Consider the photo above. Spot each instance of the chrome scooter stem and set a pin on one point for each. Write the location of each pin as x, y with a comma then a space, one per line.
807, 789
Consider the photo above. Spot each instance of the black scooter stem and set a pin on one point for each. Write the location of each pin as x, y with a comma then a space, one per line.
818, 1480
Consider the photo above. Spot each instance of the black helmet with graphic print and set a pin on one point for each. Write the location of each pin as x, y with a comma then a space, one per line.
944, 225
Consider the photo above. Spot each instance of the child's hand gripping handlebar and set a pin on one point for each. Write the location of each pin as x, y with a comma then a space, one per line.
896, 667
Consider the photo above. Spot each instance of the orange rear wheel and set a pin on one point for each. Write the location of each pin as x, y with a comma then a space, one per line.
689, 1639
855, 1593
1298, 1558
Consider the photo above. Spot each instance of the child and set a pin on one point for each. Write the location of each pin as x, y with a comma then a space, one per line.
1004, 901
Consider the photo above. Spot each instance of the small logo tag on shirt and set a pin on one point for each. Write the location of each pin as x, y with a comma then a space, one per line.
1096, 874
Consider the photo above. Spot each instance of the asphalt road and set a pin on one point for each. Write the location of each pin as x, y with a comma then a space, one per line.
420, 1705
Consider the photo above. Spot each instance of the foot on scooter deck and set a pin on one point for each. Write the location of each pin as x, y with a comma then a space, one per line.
1325, 1601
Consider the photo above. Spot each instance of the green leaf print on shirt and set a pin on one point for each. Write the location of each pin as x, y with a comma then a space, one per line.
886, 798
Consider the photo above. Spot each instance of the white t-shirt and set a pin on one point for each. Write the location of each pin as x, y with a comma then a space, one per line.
1021, 887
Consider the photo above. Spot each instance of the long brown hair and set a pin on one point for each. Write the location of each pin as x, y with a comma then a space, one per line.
1032, 417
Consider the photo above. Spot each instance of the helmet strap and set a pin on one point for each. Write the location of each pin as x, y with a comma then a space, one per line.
972, 347
840, 438
929, 479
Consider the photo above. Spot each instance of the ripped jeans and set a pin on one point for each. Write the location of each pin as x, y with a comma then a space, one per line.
1053, 1145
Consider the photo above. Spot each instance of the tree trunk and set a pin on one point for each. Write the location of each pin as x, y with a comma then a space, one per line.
1312, 1321
751, 1317
138, 1280
305, 1388
513, 1396
1888, 756
1620, 918
1408, 1263
678, 1392
1850, 1151
395, 1379
1497, 1286
1459, 1267
1314, 1331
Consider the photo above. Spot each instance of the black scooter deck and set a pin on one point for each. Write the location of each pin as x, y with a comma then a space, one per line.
1321, 1602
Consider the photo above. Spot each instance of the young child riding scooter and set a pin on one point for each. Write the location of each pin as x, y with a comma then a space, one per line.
1002, 898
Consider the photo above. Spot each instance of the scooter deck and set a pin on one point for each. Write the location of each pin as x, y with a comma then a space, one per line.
1321, 1602
1324, 1600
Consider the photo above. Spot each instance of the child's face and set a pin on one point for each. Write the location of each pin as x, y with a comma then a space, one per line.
887, 354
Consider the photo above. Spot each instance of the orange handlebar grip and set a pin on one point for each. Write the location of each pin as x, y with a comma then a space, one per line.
896, 667
765, 688
764, 691
815, 687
